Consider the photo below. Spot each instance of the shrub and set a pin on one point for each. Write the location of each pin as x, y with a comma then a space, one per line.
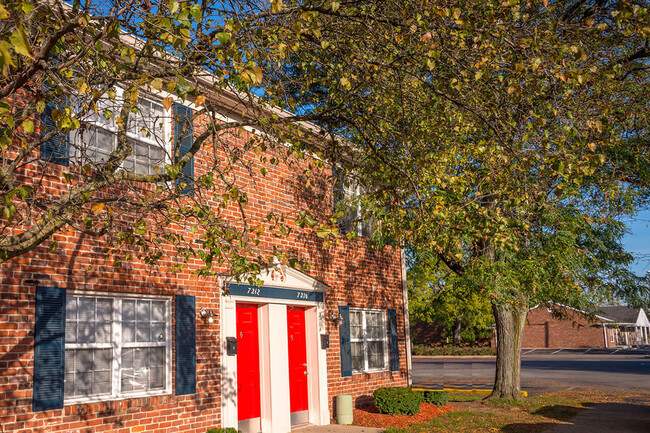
397, 401
439, 398
418, 349
223, 430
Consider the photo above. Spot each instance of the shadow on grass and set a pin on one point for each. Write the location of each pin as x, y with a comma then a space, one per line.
527, 428
561, 412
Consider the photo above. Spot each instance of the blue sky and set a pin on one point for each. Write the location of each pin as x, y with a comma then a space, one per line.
637, 242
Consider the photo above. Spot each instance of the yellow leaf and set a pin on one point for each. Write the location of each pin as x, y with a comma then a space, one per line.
156, 83
459, 256
592, 146
276, 6
511, 90
345, 83
456, 12
252, 75
167, 103
200, 100
98, 208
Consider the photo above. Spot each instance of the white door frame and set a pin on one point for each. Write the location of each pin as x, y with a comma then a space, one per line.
274, 364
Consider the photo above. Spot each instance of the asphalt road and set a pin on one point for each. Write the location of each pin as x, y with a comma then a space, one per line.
540, 372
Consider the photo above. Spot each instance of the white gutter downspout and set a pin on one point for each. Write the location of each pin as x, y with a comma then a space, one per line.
605, 333
407, 326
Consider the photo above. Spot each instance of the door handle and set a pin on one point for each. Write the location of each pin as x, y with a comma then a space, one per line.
306, 373
305, 364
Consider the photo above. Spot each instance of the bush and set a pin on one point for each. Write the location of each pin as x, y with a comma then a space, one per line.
223, 430
397, 401
439, 398
452, 350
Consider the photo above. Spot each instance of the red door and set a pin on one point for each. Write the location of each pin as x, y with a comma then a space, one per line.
297, 362
248, 363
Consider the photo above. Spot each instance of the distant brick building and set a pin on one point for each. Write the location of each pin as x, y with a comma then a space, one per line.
608, 327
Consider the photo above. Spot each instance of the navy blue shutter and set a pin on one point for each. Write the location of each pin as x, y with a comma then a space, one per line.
185, 345
49, 349
344, 339
57, 148
392, 340
183, 125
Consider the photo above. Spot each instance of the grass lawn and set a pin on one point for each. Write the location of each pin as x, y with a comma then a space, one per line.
528, 415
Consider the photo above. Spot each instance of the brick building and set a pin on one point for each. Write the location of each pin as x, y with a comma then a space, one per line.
87, 347
608, 327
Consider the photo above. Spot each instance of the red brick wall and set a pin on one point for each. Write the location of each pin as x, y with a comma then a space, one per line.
575, 330
357, 275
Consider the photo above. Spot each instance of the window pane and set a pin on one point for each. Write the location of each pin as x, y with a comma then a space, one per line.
375, 332
158, 332
142, 332
71, 308
87, 372
143, 368
143, 310
357, 356
157, 311
86, 332
356, 325
128, 310
156, 367
129, 163
70, 331
86, 309
104, 309
103, 332
376, 354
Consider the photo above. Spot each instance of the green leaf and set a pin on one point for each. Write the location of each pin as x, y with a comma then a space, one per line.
27, 7
195, 10
223, 37
28, 126
172, 171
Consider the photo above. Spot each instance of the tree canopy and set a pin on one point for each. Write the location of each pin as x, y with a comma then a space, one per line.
498, 135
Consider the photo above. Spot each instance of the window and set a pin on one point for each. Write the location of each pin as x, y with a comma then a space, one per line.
368, 340
349, 195
148, 131
116, 346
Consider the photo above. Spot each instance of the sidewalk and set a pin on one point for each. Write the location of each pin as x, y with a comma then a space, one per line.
335, 428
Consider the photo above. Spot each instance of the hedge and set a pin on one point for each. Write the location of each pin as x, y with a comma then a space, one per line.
439, 398
397, 401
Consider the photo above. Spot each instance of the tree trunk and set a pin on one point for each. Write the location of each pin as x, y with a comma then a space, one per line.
510, 320
457, 328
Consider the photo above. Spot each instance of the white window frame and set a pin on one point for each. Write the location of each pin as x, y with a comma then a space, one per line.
117, 345
365, 340
110, 127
